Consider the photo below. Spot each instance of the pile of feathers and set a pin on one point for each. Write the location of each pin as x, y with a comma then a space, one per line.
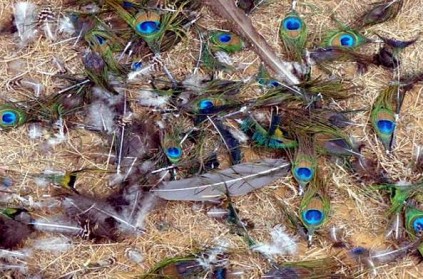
201, 137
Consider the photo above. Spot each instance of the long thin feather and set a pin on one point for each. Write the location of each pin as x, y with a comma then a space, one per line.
239, 179
242, 24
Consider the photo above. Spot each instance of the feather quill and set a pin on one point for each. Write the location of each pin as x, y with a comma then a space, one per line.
239, 179
242, 25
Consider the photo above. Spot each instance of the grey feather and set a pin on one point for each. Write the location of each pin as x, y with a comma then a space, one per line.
239, 179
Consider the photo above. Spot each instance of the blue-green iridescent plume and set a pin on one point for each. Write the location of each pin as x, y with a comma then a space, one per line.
414, 223
171, 145
314, 207
383, 114
151, 25
11, 116
106, 44
272, 138
216, 48
293, 34
304, 163
344, 38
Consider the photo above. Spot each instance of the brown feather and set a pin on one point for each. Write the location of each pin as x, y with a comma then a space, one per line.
12, 232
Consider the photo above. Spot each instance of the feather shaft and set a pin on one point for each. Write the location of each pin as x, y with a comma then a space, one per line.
239, 179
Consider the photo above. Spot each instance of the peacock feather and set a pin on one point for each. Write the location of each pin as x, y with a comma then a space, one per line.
383, 115
293, 34
379, 13
171, 145
177, 268
273, 138
11, 116
225, 41
106, 44
344, 38
151, 24
304, 163
314, 207
414, 223
312, 269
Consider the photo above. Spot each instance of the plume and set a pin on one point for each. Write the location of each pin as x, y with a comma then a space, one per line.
25, 14
281, 244
371, 258
242, 25
99, 217
314, 207
14, 227
414, 225
293, 34
316, 269
379, 13
231, 143
389, 55
239, 179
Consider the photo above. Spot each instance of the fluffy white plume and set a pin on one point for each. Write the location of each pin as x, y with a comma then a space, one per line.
25, 14
281, 244
35, 131
152, 99
100, 116
55, 245
134, 255
19, 254
147, 204
66, 26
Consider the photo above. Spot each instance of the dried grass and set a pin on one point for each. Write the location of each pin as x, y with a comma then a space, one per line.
177, 228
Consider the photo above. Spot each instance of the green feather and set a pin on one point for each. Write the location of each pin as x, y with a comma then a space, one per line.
314, 207
176, 268
105, 43
262, 137
11, 116
383, 115
219, 41
344, 38
225, 41
293, 34
171, 145
328, 139
414, 223
151, 25
304, 163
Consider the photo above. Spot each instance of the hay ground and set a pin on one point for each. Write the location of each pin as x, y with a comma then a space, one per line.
177, 228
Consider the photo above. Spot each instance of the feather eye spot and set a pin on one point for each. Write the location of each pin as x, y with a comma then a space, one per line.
313, 217
225, 38
418, 225
205, 104
174, 153
304, 174
347, 40
292, 23
148, 27
358, 251
100, 40
136, 66
386, 126
273, 84
127, 4
9, 118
